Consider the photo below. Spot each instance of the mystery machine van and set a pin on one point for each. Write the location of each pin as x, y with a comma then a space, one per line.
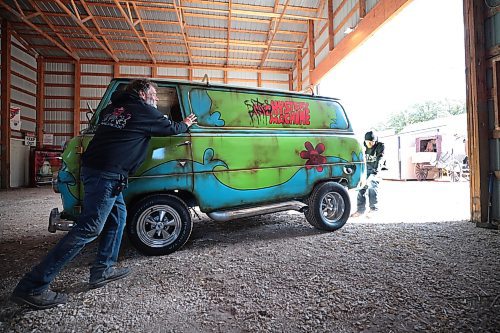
252, 152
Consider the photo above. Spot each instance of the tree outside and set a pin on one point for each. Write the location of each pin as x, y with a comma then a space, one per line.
421, 112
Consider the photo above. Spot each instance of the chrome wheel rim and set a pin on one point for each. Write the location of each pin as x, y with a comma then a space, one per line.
332, 207
159, 226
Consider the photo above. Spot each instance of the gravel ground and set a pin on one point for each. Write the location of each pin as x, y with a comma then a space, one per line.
418, 266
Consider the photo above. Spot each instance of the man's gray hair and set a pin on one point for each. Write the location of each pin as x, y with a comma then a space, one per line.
139, 85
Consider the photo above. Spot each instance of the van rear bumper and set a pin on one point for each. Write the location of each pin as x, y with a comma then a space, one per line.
56, 223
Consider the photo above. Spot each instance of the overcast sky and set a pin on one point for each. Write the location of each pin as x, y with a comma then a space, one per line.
417, 56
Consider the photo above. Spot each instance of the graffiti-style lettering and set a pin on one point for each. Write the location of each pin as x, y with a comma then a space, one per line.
278, 112
290, 113
258, 111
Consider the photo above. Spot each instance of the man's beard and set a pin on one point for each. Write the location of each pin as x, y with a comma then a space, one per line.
151, 101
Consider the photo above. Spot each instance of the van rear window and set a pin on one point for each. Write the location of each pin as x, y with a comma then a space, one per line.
223, 108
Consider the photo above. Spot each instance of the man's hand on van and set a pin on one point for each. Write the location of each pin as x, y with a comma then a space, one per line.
190, 120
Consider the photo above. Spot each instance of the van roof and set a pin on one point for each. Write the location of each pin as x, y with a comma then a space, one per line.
218, 85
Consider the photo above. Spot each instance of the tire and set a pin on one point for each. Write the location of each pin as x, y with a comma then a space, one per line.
329, 206
421, 172
147, 228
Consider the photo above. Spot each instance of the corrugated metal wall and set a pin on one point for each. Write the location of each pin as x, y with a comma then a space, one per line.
94, 80
23, 87
58, 94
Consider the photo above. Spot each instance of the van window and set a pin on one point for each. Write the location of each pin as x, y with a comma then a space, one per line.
223, 108
168, 103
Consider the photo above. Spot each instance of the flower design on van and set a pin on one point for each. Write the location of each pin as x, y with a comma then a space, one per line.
313, 156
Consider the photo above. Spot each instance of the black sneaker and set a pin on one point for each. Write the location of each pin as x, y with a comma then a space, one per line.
45, 300
116, 274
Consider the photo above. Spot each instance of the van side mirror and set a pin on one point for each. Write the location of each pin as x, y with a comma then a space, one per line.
89, 113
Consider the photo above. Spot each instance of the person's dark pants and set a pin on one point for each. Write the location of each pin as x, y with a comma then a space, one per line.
372, 187
103, 212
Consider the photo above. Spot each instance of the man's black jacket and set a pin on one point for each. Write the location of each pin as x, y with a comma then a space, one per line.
125, 128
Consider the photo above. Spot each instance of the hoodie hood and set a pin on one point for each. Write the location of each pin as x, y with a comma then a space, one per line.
119, 97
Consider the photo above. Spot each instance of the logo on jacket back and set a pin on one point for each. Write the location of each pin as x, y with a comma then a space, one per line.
117, 119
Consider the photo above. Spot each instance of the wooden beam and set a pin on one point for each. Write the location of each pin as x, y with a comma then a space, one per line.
40, 100
96, 24
477, 109
259, 79
29, 48
143, 30
273, 34
331, 27
116, 70
132, 26
228, 46
5, 98
180, 19
496, 95
44, 17
76, 99
383, 11
222, 4
299, 70
362, 8
84, 27
252, 69
290, 81
312, 56
40, 31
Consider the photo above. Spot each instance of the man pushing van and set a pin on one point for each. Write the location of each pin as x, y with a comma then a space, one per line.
118, 148
374, 153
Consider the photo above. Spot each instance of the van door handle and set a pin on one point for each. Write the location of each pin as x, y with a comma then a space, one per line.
185, 143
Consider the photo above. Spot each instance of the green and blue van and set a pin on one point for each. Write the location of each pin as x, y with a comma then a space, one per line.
253, 152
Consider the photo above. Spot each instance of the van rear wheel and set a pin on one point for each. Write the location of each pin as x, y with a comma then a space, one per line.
329, 206
159, 225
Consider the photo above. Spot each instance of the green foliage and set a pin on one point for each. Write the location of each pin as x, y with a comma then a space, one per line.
421, 112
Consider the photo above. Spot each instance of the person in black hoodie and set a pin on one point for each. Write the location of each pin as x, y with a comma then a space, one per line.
118, 148
374, 153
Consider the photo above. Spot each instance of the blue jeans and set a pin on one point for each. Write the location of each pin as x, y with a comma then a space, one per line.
103, 212
372, 188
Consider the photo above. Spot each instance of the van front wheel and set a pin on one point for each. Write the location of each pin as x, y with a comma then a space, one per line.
329, 206
159, 225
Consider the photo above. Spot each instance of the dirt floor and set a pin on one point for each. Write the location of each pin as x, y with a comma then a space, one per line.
418, 266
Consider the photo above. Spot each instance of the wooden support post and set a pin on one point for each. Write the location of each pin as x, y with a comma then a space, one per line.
477, 111
299, 70
290, 81
6, 67
116, 70
190, 74
312, 61
154, 71
226, 79
362, 8
331, 28
76, 99
496, 99
259, 79
40, 100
